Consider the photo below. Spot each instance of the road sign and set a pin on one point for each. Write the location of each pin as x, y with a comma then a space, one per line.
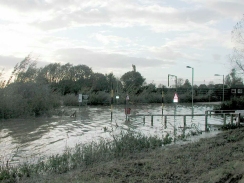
175, 100
80, 98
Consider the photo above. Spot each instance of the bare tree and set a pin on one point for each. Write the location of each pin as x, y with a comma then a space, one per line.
180, 82
237, 58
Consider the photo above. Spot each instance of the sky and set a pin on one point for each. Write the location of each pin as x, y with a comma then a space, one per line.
159, 37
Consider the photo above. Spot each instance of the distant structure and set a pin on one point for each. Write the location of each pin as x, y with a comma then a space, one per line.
134, 68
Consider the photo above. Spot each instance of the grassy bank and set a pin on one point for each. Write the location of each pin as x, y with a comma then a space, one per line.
217, 159
83, 156
136, 158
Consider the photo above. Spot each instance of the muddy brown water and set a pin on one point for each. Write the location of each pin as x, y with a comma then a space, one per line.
30, 139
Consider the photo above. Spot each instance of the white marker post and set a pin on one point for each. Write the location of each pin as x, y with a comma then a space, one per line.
126, 107
80, 100
175, 100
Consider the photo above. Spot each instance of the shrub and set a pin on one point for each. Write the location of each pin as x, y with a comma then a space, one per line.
27, 99
99, 98
70, 100
235, 103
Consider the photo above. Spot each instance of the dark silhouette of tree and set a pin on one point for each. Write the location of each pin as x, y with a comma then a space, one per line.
99, 82
211, 84
232, 79
187, 84
180, 82
237, 57
132, 79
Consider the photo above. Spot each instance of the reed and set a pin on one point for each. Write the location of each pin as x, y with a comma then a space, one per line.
83, 155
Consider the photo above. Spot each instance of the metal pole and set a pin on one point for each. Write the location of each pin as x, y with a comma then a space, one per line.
112, 99
112, 96
125, 109
192, 87
162, 100
176, 83
206, 121
168, 80
223, 88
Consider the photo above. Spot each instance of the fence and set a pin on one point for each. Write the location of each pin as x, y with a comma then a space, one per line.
224, 113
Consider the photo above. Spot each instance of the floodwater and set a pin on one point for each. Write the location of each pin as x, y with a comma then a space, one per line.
26, 139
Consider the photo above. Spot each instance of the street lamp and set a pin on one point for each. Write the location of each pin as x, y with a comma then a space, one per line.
192, 84
223, 98
175, 80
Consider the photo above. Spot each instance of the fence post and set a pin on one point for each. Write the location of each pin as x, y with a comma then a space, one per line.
239, 119
143, 119
224, 119
184, 129
165, 122
206, 121
152, 120
184, 121
231, 119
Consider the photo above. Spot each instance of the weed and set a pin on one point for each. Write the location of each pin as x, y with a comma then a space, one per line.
229, 126
84, 155
167, 139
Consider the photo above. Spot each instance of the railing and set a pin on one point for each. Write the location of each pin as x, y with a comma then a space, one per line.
224, 113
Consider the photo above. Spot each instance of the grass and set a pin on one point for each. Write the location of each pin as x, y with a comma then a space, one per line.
83, 155
133, 157
209, 160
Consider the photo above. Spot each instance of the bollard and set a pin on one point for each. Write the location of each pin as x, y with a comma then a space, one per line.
152, 120
206, 121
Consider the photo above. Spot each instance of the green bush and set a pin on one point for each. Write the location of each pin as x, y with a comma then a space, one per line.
99, 98
236, 103
70, 100
27, 99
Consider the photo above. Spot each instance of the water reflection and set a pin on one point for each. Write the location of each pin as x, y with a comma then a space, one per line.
27, 138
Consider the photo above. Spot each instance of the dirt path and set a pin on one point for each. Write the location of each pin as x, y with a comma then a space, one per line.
217, 159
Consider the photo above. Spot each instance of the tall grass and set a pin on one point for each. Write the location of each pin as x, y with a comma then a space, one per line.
83, 155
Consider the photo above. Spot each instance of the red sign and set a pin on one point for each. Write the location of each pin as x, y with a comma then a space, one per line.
175, 98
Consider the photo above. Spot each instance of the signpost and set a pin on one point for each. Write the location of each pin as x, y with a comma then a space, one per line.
126, 107
176, 99
80, 100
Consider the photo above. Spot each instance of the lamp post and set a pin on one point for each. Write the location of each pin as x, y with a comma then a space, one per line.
175, 80
223, 98
191, 85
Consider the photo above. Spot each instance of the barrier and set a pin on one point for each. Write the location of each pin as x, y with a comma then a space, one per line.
207, 113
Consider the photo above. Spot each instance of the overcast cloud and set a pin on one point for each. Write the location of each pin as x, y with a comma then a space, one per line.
160, 37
